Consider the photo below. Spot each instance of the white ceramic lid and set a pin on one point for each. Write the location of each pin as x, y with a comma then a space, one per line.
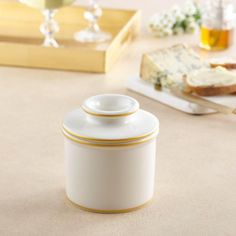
110, 117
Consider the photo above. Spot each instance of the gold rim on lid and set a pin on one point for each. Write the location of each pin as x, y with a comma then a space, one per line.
85, 138
110, 145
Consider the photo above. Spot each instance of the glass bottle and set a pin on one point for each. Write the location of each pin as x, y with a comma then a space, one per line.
217, 25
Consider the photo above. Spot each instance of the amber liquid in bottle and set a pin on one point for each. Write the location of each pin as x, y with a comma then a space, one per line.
216, 39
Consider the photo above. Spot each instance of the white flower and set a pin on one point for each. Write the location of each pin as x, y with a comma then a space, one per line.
161, 24
175, 21
190, 8
177, 13
167, 18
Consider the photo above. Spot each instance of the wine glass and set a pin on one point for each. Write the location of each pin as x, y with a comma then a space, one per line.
93, 33
50, 26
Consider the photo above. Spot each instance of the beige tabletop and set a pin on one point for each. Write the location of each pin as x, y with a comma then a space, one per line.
196, 156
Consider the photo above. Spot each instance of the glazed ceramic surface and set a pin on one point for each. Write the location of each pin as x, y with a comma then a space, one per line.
110, 117
110, 151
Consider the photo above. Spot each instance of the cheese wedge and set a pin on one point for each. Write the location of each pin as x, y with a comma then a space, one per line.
166, 67
210, 82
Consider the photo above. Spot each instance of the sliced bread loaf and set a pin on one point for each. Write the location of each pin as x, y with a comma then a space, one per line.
226, 62
211, 82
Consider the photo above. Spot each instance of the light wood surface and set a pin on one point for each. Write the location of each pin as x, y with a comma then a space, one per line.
196, 156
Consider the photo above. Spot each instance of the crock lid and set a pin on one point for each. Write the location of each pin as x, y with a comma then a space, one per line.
110, 117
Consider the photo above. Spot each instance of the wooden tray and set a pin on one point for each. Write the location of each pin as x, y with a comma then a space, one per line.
20, 39
145, 88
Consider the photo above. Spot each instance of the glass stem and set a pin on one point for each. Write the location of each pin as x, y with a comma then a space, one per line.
48, 28
93, 33
93, 13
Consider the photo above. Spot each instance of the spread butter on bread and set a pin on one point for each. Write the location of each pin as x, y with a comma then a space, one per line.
211, 82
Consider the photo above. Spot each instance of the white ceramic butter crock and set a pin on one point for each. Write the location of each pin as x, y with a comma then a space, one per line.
110, 151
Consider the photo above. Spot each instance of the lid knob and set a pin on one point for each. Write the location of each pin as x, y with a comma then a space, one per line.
110, 105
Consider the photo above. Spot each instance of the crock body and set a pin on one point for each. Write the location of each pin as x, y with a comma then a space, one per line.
110, 179
110, 151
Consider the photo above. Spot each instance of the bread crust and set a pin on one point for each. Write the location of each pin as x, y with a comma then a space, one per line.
211, 90
229, 66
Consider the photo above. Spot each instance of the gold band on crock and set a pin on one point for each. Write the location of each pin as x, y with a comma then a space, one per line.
144, 140
106, 115
108, 140
110, 211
